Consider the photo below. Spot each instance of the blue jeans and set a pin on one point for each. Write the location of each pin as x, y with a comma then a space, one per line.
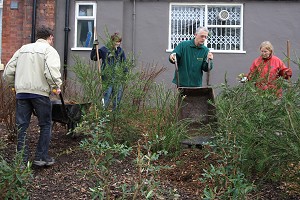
24, 109
116, 95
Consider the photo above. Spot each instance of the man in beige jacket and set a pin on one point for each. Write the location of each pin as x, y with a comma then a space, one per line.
34, 72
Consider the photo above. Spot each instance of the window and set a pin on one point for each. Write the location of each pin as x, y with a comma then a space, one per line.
224, 22
85, 20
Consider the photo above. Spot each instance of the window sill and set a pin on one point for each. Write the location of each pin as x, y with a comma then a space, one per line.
216, 51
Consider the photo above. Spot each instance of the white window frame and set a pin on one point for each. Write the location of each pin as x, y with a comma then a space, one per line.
77, 17
241, 26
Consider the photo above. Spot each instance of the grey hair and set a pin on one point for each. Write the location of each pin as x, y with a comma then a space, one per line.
267, 45
201, 29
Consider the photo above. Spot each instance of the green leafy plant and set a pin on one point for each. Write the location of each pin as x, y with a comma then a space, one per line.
146, 185
102, 156
14, 179
225, 183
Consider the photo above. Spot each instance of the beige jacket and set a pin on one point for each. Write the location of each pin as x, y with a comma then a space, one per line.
34, 68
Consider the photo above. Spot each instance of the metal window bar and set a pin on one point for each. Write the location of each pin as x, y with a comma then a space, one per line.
184, 21
225, 34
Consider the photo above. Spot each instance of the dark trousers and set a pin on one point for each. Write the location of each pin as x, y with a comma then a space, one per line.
24, 110
113, 93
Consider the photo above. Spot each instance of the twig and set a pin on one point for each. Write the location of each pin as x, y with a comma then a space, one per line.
288, 53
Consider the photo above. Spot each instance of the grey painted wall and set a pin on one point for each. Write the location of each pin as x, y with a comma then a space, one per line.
276, 21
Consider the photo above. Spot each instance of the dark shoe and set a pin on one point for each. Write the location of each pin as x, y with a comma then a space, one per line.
46, 162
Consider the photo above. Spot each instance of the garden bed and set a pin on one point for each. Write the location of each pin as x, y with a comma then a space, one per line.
63, 180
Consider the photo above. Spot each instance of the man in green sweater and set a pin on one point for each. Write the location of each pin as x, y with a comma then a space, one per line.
192, 59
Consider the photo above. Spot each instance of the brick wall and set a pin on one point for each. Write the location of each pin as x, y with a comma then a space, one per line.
17, 24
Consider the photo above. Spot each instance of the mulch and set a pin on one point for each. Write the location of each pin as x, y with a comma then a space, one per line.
66, 178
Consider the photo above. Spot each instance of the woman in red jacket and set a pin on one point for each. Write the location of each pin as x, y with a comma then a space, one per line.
267, 68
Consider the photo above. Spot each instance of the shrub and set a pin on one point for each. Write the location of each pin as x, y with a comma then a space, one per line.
14, 179
257, 137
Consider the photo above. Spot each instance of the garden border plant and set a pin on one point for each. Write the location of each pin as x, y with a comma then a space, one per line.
257, 138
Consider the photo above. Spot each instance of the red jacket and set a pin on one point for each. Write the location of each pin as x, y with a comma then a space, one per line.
267, 71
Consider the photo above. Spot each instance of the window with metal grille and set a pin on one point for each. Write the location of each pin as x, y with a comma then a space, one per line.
224, 22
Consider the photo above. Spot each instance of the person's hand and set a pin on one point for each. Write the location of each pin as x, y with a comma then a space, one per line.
56, 91
242, 78
95, 44
173, 57
288, 73
210, 55
242, 75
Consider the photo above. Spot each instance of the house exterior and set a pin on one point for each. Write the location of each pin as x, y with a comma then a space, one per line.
151, 29
18, 19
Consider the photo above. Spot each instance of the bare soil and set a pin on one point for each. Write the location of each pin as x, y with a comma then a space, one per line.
64, 179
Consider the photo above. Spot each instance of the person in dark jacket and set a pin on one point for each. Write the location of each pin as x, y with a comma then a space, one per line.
192, 59
113, 57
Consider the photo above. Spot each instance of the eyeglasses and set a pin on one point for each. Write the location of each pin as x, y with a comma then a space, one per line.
203, 36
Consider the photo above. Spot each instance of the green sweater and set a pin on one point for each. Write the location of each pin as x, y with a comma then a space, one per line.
191, 60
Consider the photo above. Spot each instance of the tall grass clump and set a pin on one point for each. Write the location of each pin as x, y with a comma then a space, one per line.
133, 119
89, 78
94, 78
258, 134
112, 134
93, 87
145, 108
265, 126
94, 81
163, 115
